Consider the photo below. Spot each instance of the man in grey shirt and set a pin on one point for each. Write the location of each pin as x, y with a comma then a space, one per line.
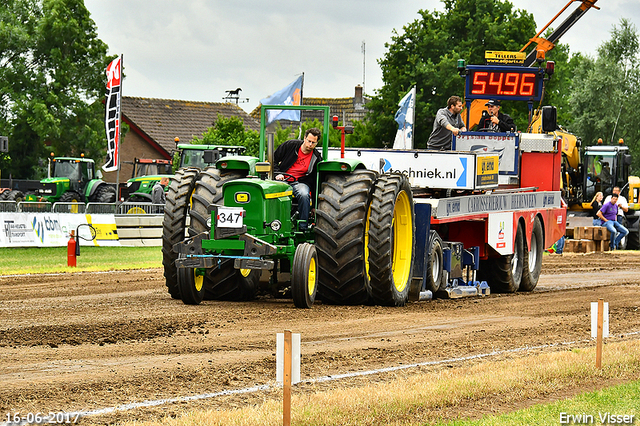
447, 123
157, 194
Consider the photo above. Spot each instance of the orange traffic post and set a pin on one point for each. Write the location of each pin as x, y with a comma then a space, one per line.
286, 382
71, 250
600, 333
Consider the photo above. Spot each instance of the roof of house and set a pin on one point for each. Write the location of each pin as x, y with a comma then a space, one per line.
160, 121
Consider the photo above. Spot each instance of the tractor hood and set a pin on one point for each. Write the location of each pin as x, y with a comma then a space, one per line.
264, 201
55, 180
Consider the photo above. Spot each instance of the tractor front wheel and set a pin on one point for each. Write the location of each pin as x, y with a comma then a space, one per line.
304, 277
191, 286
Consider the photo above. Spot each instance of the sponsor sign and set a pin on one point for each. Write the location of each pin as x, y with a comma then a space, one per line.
488, 203
53, 229
501, 232
506, 58
506, 147
487, 170
425, 169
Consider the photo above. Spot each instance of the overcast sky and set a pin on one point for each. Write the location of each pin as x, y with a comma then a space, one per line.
198, 49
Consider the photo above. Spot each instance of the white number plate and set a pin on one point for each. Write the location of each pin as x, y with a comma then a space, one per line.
229, 217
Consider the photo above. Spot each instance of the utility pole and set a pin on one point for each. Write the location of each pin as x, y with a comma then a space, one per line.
364, 57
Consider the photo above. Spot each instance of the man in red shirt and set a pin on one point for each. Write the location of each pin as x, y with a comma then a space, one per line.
299, 160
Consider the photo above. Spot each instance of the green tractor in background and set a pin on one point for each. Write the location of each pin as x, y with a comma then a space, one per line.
243, 223
146, 173
74, 180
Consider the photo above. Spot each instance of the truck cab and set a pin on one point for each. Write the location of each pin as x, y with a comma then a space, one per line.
604, 167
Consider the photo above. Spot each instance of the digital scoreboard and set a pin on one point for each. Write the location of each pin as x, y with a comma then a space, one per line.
504, 83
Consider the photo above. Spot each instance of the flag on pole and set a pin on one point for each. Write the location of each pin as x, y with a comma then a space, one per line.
405, 118
290, 95
112, 114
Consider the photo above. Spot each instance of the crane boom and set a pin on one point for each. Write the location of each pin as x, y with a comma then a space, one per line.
549, 43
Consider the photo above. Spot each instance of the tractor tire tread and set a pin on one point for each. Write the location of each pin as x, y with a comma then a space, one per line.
174, 222
341, 214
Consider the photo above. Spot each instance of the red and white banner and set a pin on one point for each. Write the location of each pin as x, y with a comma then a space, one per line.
112, 114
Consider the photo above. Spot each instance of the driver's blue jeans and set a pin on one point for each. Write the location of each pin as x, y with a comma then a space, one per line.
301, 192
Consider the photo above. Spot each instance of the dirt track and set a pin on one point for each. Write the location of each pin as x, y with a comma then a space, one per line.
96, 340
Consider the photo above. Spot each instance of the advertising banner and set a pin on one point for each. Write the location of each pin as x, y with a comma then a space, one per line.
54, 229
429, 169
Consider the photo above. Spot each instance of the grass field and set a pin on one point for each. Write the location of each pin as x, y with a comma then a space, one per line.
458, 396
593, 407
54, 259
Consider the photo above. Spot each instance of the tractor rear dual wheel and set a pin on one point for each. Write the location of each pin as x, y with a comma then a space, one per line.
173, 225
223, 282
435, 276
533, 258
71, 197
504, 273
13, 195
343, 203
391, 242
104, 194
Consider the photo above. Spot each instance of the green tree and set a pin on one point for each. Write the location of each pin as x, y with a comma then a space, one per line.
231, 131
425, 54
51, 80
559, 87
605, 91
283, 134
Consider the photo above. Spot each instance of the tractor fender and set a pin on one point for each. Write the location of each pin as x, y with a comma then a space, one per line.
245, 164
341, 165
92, 187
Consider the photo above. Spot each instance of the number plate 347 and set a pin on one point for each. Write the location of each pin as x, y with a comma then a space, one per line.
229, 217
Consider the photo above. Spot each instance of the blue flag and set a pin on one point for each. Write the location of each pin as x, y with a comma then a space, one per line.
290, 95
405, 118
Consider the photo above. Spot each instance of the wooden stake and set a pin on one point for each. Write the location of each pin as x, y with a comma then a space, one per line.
600, 333
286, 380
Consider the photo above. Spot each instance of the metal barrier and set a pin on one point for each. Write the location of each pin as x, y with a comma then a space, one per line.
81, 208
140, 208
101, 208
8, 207
68, 208
34, 207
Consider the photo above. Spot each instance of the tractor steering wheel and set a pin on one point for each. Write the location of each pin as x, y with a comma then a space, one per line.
287, 177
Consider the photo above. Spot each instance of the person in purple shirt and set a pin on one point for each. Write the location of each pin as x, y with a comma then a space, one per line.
608, 214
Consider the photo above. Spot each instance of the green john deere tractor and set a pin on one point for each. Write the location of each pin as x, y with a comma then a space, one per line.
146, 172
75, 180
243, 223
